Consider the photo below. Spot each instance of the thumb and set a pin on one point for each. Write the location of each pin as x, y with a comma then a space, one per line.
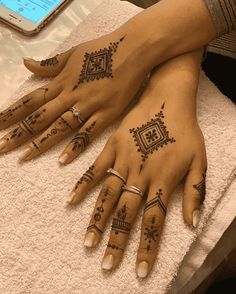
49, 67
194, 193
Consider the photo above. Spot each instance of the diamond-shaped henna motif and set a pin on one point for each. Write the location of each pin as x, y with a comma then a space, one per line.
151, 136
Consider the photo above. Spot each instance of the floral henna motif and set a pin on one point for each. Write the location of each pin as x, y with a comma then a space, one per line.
98, 65
152, 135
151, 233
201, 188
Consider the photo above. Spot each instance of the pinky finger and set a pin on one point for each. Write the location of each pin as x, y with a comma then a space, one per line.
88, 132
95, 173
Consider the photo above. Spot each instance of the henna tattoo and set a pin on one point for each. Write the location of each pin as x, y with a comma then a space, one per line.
61, 128
201, 188
32, 119
98, 65
119, 225
151, 233
151, 136
100, 209
114, 246
15, 133
35, 146
156, 201
81, 140
6, 114
49, 61
87, 177
93, 226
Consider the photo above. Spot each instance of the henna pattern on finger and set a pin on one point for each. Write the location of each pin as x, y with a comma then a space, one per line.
87, 177
82, 139
35, 146
31, 120
119, 225
98, 65
151, 136
157, 201
151, 233
93, 226
49, 61
15, 133
114, 246
201, 188
8, 113
60, 129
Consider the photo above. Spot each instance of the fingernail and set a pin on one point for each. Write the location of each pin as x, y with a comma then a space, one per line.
142, 269
25, 153
63, 158
3, 144
28, 59
72, 195
107, 263
89, 239
196, 217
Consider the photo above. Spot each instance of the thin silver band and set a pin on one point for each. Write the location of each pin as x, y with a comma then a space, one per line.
77, 114
133, 189
111, 171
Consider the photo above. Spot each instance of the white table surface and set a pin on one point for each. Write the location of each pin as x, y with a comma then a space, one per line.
14, 46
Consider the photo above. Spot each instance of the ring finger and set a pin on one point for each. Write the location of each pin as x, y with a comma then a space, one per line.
123, 220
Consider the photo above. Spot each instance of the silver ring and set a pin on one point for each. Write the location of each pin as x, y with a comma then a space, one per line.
115, 173
78, 115
133, 189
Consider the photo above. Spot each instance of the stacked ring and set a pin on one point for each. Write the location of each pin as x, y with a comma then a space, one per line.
117, 174
133, 189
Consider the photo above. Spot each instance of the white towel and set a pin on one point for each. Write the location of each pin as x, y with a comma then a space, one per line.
41, 240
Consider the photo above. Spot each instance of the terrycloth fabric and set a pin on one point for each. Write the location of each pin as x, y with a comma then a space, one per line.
41, 240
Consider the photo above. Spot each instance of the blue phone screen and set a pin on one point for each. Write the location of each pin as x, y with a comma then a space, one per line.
34, 10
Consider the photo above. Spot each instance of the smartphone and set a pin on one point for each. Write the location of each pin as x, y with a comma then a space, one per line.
29, 16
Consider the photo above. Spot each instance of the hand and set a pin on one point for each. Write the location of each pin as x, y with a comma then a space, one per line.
97, 79
158, 144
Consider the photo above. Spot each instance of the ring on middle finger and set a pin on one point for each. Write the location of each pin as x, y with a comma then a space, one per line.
111, 171
77, 114
133, 189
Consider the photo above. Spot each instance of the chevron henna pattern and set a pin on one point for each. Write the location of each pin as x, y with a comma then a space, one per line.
157, 201
82, 139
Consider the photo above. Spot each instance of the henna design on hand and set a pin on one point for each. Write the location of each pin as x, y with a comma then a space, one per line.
156, 202
114, 246
15, 133
93, 226
151, 233
119, 225
98, 65
201, 187
81, 140
31, 120
49, 61
62, 126
11, 111
151, 136
87, 177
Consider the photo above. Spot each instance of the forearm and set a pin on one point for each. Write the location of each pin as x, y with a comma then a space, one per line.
168, 29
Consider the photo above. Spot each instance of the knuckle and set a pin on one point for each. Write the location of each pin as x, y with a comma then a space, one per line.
152, 219
108, 191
